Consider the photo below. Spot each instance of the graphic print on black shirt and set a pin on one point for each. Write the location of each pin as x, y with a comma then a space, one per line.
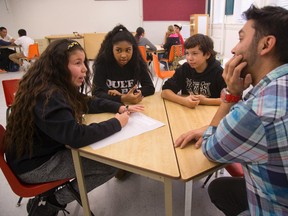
122, 86
197, 88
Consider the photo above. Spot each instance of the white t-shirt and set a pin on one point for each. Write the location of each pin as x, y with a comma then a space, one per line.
24, 42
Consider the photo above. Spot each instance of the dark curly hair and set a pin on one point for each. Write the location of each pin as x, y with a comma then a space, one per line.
48, 75
106, 57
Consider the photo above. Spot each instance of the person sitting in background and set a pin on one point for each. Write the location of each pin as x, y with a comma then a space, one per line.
252, 130
143, 41
47, 114
170, 30
171, 38
178, 28
5, 40
24, 41
200, 77
120, 73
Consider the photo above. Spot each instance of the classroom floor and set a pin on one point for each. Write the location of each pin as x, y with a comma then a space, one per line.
136, 196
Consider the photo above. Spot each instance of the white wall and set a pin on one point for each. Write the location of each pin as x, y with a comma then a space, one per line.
41, 18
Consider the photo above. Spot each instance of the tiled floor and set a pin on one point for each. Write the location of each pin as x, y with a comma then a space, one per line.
136, 196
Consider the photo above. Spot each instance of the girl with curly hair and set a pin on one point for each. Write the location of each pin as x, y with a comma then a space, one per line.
47, 115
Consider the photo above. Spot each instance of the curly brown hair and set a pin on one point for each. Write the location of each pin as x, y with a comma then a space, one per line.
48, 75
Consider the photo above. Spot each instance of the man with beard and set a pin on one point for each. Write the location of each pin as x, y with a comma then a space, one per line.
252, 129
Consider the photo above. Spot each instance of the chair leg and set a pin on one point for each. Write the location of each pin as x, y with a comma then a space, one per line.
206, 180
19, 201
76, 195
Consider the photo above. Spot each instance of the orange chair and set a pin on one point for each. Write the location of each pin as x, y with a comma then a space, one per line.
142, 50
234, 169
31, 190
160, 74
33, 52
175, 55
9, 87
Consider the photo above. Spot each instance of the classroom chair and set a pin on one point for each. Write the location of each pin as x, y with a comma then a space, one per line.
175, 55
143, 52
39, 190
9, 87
33, 54
234, 169
160, 74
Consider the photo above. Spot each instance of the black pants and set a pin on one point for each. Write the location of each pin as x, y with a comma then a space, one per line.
4, 58
229, 195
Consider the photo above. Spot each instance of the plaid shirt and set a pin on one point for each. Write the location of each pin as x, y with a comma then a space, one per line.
254, 133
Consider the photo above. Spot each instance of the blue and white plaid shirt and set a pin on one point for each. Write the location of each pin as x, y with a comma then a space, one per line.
254, 133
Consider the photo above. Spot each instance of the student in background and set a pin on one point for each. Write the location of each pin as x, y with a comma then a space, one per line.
200, 77
120, 73
5, 40
142, 40
178, 28
171, 39
170, 30
24, 41
47, 115
252, 130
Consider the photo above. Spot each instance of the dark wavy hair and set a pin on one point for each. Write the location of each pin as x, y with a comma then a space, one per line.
205, 44
105, 56
48, 75
271, 20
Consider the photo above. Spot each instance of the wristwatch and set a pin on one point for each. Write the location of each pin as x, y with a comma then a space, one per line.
229, 98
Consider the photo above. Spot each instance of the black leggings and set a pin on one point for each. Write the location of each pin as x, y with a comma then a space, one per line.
229, 195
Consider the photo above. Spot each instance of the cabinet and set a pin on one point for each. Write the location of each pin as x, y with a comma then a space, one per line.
199, 24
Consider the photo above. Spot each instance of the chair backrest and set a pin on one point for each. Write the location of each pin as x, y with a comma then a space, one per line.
156, 65
142, 50
175, 52
33, 51
19, 188
10, 87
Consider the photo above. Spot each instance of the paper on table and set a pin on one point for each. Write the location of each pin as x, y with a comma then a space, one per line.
138, 123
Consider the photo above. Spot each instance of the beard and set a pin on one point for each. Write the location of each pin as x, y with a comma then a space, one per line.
250, 56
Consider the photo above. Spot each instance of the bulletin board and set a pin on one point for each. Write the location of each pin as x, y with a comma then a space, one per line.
166, 10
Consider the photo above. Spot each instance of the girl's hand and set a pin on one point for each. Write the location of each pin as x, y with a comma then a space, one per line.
122, 118
114, 92
131, 108
134, 96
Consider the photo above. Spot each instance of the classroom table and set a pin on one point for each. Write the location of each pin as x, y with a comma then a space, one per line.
165, 163
193, 165
50, 38
15, 47
150, 154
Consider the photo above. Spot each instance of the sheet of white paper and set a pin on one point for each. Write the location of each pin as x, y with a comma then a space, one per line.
138, 123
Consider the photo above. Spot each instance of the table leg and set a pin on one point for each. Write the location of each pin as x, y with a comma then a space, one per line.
188, 197
81, 183
168, 197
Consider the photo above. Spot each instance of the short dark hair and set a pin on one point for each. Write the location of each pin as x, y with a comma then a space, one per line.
2, 28
271, 20
204, 42
22, 32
